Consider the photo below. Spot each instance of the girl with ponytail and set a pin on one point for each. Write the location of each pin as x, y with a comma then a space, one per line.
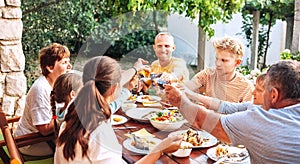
86, 135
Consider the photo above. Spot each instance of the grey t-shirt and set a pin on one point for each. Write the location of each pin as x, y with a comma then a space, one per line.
270, 136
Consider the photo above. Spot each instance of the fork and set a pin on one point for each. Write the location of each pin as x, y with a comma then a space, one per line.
148, 114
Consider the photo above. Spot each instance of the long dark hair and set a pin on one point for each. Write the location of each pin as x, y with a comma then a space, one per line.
89, 108
63, 86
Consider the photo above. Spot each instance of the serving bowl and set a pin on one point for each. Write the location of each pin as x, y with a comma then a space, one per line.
167, 126
184, 150
167, 120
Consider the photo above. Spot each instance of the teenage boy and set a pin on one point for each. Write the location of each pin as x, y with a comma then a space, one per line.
223, 81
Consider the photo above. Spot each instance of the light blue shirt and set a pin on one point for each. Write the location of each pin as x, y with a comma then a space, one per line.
230, 107
115, 105
270, 136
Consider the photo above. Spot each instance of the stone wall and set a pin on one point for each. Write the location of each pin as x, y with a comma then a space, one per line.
12, 59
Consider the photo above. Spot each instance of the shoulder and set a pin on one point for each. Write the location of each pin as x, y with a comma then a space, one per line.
207, 72
41, 82
40, 87
241, 79
252, 114
179, 60
210, 70
155, 62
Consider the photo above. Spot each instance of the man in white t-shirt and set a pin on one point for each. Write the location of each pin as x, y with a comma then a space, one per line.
37, 117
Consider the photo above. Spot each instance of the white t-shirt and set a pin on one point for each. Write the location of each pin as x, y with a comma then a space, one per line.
103, 147
37, 107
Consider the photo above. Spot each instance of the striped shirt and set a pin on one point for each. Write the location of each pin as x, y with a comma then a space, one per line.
239, 89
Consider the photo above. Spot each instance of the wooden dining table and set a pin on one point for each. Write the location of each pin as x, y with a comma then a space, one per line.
198, 155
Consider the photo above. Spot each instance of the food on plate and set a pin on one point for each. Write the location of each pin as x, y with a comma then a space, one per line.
149, 99
152, 104
144, 143
168, 116
146, 97
142, 139
185, 145
132, 97
228, 154
149, 102
192, 137
222, 150
117, 119
143, 133
140, 133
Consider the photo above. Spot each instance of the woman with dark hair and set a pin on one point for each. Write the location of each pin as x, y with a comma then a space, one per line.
86, 135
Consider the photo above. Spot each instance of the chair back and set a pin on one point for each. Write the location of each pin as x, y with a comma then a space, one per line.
14, 153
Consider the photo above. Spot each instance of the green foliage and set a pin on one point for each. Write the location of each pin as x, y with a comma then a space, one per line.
248, 73
247, 28
208, 12
54, 21
270, 11
117, 27
80, 24
244, 70
287, 55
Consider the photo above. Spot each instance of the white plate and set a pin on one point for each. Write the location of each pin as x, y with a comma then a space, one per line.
152, 98
211, 153
113, 122
128, 146
140, 113
203, 134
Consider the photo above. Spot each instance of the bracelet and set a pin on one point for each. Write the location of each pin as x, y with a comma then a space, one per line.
54, 117
135, 70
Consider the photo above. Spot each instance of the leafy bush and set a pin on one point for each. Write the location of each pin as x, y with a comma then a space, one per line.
287, 54
248, 73
80, 24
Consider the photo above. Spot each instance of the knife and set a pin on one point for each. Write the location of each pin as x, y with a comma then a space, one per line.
124, 128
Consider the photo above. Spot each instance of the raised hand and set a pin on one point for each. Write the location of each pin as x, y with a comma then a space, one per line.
140, 64
173, 94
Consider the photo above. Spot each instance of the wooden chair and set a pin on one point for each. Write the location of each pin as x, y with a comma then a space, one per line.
13, 143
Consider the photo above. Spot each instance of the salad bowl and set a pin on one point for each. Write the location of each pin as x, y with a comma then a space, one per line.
167, 120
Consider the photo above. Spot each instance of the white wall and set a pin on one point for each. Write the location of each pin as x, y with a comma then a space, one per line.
185, 33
